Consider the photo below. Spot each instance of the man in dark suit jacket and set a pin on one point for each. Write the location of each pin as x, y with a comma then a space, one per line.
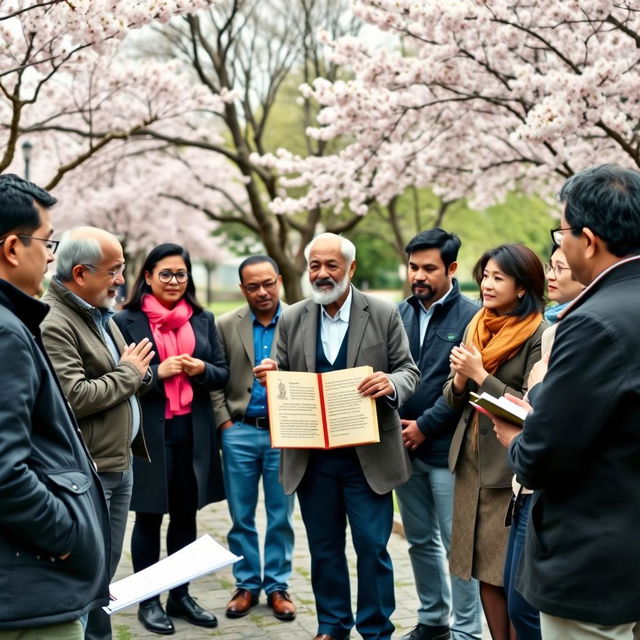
580, 448
341, 328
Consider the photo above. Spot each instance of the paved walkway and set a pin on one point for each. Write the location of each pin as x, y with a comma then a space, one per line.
213, 591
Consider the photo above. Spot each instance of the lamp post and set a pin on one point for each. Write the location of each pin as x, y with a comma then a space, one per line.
27, 149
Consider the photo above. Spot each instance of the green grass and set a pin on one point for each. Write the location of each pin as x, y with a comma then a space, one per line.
218, 308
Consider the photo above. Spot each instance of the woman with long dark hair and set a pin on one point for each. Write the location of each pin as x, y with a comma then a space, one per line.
500, 345
185, 473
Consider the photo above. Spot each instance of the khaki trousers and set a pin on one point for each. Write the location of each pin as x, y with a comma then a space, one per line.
553, 628
63, 631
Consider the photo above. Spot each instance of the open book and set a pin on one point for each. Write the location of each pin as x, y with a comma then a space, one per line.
499, 407
195, 560
320, 410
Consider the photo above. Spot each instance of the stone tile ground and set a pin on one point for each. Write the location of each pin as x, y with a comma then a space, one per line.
213, 592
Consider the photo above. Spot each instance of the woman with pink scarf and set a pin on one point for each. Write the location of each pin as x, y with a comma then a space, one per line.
185, 472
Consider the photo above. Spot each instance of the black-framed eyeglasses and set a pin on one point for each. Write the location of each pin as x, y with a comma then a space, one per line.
254, 287
50, 245
112, 273
556, 234
165, 276
557, 269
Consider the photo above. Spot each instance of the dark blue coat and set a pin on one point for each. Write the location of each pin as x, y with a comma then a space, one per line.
150, 492
51, 501
435, 418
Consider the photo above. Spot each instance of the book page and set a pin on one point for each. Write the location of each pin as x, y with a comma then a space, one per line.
193, 561
295, 419
351, 418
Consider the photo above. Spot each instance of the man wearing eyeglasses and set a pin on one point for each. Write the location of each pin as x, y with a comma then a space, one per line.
580, 447
99, 373
53, 516
246, 336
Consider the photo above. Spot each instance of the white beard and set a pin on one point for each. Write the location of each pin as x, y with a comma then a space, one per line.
331, 295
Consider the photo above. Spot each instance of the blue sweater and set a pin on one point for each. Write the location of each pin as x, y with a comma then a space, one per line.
435, 418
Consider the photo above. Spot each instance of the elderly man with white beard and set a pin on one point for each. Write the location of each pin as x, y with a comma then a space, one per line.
339, 328
99, 373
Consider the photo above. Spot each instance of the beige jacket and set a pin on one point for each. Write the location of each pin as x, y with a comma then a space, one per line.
235, 331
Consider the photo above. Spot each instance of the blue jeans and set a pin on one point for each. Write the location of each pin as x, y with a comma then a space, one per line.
524, 618
426, 507
246, 457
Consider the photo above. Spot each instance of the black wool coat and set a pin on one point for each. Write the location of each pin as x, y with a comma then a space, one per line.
150, 493
580, 451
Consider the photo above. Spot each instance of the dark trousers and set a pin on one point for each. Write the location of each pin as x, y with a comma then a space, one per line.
183, 506
524, 617
333, 490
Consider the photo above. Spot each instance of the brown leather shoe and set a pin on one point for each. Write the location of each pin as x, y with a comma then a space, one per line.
240, 603
282, 605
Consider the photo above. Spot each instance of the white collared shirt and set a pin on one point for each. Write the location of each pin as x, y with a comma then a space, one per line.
333, 330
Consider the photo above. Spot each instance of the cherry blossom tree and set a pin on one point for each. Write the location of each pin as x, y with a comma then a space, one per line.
54, 67
243, 52
478, 98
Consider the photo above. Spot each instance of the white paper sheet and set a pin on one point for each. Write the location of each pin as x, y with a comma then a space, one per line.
197, 559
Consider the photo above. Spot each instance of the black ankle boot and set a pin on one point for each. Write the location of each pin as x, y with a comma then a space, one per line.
153, 617
187, 608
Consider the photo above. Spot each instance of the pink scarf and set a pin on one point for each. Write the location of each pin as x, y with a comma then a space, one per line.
173, 336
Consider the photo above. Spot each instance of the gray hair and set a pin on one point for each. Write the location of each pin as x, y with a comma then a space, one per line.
346, 246
76, 249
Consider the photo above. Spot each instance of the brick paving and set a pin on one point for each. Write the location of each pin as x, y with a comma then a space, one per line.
213, 591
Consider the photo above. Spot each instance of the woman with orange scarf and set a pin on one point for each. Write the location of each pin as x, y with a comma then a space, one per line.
500, 345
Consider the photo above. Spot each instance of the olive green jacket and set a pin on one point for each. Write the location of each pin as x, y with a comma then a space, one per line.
97, 388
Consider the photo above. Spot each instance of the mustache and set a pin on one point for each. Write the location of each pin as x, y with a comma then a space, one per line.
324, 282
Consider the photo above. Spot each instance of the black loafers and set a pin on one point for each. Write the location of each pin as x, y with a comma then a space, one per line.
188, 609
153, 618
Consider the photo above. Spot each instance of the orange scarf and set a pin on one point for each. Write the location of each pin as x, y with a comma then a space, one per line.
499, 338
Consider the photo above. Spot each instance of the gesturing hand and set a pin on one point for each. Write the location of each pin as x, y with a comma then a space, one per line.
139, 355
467, 361
192, 366
169, 367
260, 372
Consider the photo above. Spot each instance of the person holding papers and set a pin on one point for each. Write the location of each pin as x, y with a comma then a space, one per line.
340, 328
184, 473
499, 347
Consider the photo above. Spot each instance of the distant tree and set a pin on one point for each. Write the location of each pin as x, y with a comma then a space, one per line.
57, 69
244, 52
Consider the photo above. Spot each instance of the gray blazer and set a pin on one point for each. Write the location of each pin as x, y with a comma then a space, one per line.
235, 332
376, 337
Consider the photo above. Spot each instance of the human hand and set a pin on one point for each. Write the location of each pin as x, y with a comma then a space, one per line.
467, 361
170, 367
538, 371
192, 366
139, 355
412, 437
505, 431
376, 385
260, 372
